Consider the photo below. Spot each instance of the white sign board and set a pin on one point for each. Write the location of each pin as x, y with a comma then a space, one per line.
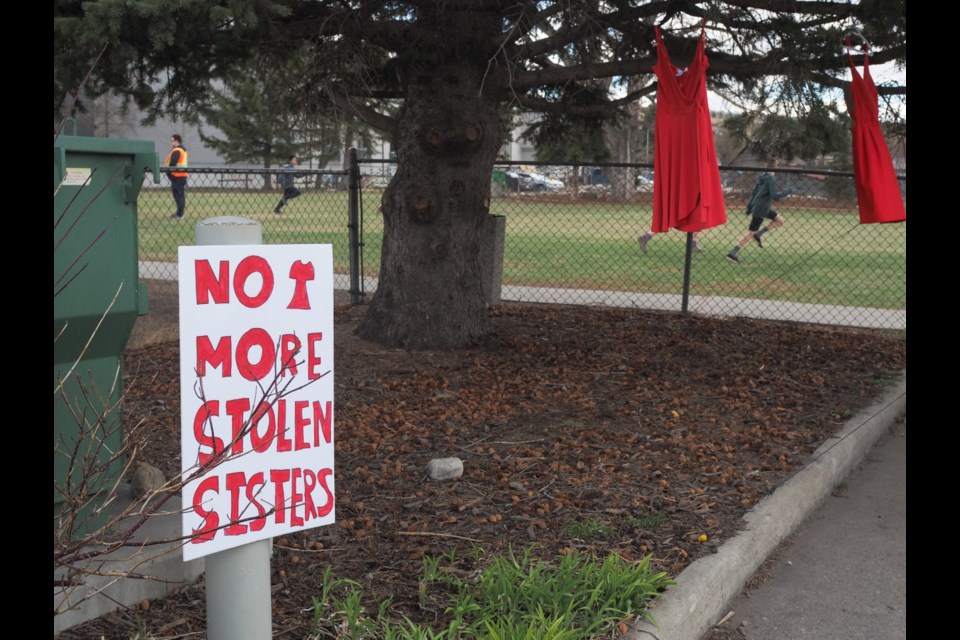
76, 177
256, 392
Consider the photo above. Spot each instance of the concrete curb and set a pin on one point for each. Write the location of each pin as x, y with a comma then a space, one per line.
161, 569
689, 609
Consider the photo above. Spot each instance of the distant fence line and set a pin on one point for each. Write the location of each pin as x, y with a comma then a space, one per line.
571, 238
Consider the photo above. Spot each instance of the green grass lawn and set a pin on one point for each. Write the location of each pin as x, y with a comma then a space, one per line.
820, 256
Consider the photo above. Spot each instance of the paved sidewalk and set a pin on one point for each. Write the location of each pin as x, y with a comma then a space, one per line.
847, 577
866, 317
843, 574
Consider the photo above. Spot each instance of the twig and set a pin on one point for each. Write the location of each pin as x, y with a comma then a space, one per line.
436, 535
511, 442
532, 464
76, 95
724, 619
87, 345
171, 625
299, 550
500, 49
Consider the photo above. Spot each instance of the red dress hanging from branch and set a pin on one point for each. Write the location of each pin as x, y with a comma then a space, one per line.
687, 194
878, 190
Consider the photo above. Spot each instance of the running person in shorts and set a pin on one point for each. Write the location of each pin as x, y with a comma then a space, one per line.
759, 210
287, 182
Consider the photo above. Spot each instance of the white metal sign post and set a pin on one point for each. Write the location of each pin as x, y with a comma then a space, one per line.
256, 362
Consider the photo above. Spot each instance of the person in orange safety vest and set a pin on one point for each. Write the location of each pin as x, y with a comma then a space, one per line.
178, 179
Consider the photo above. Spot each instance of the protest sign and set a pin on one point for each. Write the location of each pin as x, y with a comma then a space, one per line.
256, 392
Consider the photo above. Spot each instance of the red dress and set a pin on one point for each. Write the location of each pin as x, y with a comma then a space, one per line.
687, 193
878, 191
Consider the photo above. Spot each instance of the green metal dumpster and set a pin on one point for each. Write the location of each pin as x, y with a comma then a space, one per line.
97, 296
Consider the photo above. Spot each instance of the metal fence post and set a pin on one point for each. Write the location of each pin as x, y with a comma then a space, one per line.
687, 259
353, 225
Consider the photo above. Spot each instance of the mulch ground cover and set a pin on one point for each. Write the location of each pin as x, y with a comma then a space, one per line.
579, 428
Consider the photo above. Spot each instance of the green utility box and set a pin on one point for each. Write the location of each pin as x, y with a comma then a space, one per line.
97, 296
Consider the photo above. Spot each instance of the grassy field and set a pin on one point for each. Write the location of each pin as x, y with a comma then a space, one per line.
820, 255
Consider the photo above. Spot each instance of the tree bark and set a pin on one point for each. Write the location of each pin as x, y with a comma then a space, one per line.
436, 214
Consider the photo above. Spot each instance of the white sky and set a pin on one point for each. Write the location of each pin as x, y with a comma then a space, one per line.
883, 74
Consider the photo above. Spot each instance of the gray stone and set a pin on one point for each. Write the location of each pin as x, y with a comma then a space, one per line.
445, 468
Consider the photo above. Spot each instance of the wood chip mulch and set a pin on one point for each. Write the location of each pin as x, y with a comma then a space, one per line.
659, 426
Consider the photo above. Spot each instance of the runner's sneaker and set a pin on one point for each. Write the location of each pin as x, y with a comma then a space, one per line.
732, 257
643, 240
698, 249
758, 241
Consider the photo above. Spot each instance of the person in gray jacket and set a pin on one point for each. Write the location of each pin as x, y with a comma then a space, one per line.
758, 208
286, 180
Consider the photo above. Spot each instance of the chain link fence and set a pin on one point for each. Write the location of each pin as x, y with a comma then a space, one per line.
571, 238
318, 215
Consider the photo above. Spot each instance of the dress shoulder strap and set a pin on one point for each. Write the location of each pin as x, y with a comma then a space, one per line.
866, 61
663, 56
701, 45
662, 48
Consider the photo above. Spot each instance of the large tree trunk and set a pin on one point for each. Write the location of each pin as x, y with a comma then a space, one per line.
436, 213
